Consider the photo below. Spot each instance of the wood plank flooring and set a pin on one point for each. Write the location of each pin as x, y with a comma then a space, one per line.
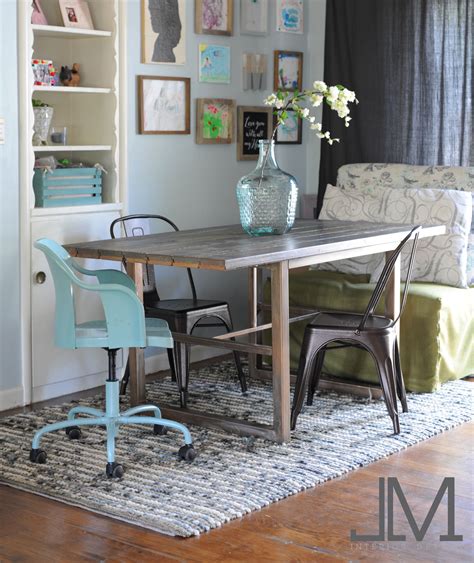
311, 526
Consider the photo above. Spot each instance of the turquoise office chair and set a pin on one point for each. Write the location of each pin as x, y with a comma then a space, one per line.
125, 326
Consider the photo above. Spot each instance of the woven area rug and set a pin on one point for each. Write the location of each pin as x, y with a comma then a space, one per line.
232, 475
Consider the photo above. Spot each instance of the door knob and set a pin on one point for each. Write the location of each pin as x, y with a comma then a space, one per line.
40, 278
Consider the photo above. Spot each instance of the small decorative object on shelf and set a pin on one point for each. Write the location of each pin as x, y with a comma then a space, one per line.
37, 15
267, 196
43, 116
70, 76
59, 135
76, 13
44, 73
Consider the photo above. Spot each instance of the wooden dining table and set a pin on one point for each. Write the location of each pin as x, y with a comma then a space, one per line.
228, 248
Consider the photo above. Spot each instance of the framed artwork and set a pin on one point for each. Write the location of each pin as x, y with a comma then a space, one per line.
291, 131
214, 63
254, 17
254, 71
214, 17
214, 121
164, 105
290, 15
37, 15
163, 38
287, 70
253, 124
75, 13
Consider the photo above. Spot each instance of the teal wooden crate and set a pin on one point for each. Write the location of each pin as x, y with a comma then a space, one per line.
67, 186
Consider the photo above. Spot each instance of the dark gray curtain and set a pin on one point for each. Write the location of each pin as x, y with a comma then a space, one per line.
410, 63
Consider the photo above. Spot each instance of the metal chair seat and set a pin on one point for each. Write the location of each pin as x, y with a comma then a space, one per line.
329, 320
183, 306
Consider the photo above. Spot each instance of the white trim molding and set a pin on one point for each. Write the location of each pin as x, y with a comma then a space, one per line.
11, 398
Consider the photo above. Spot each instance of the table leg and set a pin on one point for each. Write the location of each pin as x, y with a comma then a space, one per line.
136, 356
281, 351
252, 315
392, 300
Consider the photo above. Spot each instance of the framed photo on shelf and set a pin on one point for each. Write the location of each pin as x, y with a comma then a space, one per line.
290, 132
163, 38
164, 105
214, 121
76, 13
287, 70
214, 17
214, 63
254, 123
289, 15
37, 15
253, 17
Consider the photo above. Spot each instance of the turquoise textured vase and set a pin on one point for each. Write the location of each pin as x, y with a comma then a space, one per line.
267, 196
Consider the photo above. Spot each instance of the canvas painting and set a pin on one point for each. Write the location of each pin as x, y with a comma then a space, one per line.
214, 16
163, 31
214, 63
215, 121
288, 70
289, 132
164, 105
289, 15
253, 17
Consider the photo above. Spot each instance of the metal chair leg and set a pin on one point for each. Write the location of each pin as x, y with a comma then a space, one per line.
399, 379
314, 381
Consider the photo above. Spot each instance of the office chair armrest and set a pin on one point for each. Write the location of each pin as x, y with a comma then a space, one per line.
124, 314
106, 276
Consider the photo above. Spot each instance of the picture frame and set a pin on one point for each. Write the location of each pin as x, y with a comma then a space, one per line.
254, 17
254, 123
75, 13
164, 105
214, 63
290, 16
214, 121
291, 131
254, 71
37, 14
168, 47
288, 70
214, 17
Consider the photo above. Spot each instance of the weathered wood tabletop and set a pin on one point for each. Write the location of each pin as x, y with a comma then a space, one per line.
229, 248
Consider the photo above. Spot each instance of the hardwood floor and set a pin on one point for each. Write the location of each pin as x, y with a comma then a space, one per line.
312, 526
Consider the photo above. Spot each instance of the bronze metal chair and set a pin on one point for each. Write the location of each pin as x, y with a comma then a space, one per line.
374, 333
182, 315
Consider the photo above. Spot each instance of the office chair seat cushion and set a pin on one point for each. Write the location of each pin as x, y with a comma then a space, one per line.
350, 321
93, 334
182, 306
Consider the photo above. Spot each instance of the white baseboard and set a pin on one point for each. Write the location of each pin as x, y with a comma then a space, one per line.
61, 388
11, 398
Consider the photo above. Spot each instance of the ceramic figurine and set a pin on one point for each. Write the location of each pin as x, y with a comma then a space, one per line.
70, 76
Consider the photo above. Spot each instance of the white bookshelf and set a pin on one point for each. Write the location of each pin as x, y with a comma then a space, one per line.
95, 116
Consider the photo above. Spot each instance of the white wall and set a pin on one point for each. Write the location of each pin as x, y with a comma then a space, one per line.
10, 357
195, 184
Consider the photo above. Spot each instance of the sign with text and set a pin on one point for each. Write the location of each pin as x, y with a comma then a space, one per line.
254, 124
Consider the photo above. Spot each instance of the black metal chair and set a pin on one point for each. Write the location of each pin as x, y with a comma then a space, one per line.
182, 315
374, 333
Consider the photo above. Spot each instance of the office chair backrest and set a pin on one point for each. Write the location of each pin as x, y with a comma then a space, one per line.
386, 273
140, 225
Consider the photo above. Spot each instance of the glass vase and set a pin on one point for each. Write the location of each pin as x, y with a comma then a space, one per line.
267, 196
43, 117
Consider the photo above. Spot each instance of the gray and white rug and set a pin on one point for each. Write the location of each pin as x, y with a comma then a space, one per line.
232, 475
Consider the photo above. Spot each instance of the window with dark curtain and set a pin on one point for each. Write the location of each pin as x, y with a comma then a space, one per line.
410, 63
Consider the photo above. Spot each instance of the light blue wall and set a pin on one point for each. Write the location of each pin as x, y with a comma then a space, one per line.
10, 375
195, 184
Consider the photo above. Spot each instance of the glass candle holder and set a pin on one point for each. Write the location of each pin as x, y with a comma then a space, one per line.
59, 135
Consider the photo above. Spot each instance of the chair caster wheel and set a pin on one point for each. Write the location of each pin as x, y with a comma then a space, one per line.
187, 452
37, 455
160, 430
74, 432
114, 470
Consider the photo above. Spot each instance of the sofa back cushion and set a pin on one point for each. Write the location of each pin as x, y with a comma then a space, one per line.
441, 259
410, 175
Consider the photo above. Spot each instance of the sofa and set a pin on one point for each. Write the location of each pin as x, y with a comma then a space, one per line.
437, 327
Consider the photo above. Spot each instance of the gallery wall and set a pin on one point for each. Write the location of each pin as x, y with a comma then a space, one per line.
195, 184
